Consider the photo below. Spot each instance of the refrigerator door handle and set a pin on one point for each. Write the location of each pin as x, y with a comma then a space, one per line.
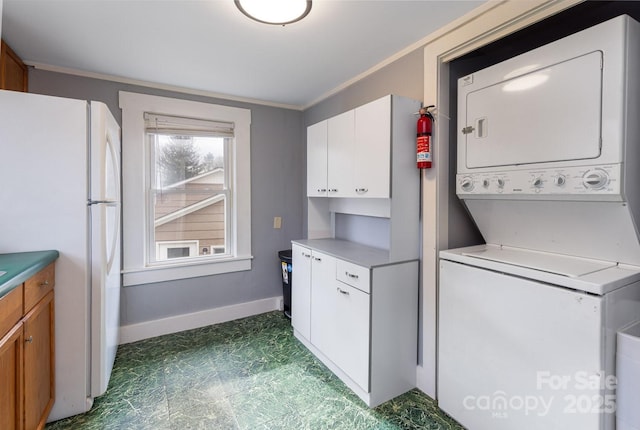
102, 202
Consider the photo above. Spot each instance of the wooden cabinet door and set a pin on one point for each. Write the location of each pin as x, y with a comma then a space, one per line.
13, 72
372, 164
341, 155
39, 363
11, 385
317, 160
301, 290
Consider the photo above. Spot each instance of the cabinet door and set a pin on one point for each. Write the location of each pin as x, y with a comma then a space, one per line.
323, 281
340, 155
372, 160
39, 363
301, 290
352, 324
13, 72
11, 379
317, 160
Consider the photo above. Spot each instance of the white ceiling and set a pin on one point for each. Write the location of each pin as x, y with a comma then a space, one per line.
208, 45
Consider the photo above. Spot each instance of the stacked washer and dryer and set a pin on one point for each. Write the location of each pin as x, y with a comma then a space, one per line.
549, 168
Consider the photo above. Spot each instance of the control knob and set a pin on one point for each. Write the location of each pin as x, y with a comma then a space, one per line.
500, 182
466, 184
595, 179
537, 182
560, 180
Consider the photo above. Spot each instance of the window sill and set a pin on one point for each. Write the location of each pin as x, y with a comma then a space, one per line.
153, 274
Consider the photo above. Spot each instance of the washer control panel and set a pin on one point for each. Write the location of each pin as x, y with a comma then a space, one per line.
569, 181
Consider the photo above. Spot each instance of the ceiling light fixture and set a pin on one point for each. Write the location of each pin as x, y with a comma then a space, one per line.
276, 12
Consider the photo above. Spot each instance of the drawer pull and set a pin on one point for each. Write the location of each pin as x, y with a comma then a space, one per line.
361, 190
44, 284
317, 258
341, 291
351, 275
29, 339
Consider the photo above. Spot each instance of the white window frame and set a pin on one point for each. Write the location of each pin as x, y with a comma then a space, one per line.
162, 248
136, 269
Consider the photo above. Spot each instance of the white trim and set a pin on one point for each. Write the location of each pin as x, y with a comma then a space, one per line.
173, 88
490, 22
148, 329
136, 268
190, 268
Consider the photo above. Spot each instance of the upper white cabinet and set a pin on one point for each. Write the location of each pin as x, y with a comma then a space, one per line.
317, 160
372, 158
341, 152
359, 147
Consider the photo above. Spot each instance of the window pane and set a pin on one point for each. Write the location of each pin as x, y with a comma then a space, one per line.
189, 192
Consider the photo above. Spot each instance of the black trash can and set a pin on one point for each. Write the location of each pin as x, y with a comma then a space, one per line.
287, 275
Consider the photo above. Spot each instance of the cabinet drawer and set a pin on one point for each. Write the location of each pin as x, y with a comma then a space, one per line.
354, 275
10, 309
36, 287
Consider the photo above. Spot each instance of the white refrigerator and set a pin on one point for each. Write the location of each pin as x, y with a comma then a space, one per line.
60, 189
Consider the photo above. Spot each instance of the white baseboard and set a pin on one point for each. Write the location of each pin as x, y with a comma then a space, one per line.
145, 330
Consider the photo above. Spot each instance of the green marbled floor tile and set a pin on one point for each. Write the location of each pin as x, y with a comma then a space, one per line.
246, 374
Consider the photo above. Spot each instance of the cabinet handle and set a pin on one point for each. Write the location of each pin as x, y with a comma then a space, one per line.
333, 190
306, 255
29, 339
341, 291
44, 284
361, 190
351, 275
322, 190
317, 258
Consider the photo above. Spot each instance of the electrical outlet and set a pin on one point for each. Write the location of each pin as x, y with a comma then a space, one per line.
277, 222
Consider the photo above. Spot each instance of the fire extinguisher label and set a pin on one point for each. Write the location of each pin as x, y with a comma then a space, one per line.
424, 148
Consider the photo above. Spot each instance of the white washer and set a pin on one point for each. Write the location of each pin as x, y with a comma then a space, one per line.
527, 338
549, 168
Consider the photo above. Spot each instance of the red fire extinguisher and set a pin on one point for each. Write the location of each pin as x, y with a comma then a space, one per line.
423, 140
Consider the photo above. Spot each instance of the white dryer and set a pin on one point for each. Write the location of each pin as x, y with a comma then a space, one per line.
549, 168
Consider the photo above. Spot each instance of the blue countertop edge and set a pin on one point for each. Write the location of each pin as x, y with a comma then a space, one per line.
20, 266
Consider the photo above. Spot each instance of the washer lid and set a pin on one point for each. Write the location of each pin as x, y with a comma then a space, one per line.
563, 265
591, 276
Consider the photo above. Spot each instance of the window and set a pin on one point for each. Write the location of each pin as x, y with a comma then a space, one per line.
186, 189
189, 188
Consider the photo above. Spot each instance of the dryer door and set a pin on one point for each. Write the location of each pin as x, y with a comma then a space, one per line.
549, 114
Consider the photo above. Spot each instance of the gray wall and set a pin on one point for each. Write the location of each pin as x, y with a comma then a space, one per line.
403, 77
277, 165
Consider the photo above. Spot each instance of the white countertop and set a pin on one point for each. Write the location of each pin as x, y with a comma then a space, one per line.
352, 252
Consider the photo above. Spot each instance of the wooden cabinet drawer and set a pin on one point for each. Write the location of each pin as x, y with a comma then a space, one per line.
36, 287
354, 275
10, 310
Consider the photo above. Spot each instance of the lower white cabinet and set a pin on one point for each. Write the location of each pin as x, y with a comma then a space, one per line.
361, 321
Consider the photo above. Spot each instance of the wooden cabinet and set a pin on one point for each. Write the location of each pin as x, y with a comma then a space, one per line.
359, 319
14, 74
39, 363
358, 145
11, 405
27, 354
